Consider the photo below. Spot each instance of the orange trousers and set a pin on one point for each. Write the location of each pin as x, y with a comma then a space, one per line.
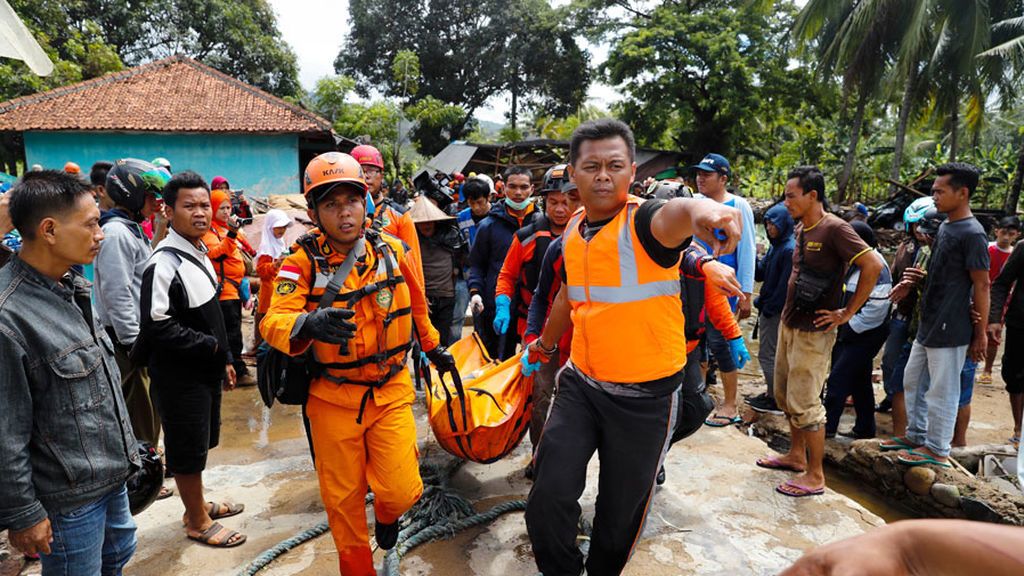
381, 454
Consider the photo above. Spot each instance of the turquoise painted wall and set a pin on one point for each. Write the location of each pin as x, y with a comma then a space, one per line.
259, 164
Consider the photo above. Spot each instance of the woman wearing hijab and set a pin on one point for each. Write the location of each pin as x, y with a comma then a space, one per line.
268, 261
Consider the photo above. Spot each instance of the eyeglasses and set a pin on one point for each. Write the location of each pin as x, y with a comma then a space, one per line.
372, 171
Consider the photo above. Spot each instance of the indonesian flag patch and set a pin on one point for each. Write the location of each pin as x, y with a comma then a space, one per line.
289, 273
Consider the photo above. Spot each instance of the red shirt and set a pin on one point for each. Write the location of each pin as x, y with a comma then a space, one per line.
997, 259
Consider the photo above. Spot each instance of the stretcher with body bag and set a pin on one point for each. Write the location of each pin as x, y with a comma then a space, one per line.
482, 411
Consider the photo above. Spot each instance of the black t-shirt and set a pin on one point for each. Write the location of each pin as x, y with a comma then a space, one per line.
960, 247
662, 255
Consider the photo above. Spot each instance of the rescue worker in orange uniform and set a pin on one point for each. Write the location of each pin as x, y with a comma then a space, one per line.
389, 216
519, 274
225, 242
618, 393
360, 400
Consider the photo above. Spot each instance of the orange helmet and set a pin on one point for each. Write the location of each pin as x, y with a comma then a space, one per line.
72, 168
368, 155
328, 170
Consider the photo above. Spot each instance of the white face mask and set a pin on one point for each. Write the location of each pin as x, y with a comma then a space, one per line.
517, 205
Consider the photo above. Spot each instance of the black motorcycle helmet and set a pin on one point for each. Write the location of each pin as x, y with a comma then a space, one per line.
144, 484
666, 190
131, 179
554, 179
930, 221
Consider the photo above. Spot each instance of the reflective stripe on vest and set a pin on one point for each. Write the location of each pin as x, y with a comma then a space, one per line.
630, 290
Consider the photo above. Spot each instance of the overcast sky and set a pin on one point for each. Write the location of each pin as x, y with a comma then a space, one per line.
316, 29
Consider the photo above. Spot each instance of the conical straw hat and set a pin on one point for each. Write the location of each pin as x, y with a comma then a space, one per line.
423, 210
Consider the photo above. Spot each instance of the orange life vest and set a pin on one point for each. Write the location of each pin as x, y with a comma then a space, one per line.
627, 315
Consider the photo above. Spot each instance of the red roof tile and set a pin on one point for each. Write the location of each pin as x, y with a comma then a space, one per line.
176, 94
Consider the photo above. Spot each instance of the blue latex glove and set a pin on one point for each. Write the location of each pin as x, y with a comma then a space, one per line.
244, 291
502, 313
738, 349
528, 367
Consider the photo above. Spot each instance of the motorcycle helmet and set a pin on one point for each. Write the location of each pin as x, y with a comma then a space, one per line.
916, 210
554, 179
131, 179
930, 221
144, 484
666, 190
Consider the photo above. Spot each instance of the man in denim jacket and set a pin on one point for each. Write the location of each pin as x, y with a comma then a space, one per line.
66, 444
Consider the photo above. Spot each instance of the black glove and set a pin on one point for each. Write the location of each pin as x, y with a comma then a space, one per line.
442, 360
329, 325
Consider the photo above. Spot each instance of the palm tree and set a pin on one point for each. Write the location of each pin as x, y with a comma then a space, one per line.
1008, 37
857, 39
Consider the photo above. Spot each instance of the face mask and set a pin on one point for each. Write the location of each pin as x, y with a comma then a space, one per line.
517, 205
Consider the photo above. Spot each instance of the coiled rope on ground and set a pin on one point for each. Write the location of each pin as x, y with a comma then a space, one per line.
440, 513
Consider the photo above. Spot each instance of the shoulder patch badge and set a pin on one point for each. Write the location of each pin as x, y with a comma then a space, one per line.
285, 287
384, 298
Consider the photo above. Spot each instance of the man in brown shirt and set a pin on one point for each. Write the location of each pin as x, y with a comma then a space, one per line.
825, 246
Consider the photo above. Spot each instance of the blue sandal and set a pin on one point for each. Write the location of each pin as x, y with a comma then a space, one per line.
716, 421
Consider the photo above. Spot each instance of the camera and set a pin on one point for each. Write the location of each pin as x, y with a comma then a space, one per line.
434, 187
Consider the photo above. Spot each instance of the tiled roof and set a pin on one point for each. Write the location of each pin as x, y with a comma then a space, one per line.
176, 94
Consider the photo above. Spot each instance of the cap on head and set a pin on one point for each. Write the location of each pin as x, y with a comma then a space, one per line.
714, 163
367, 155
329, 170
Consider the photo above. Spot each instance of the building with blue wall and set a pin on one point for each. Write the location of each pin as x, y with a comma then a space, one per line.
196, 117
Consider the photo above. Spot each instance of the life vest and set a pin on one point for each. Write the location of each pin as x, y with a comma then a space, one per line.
626, 310
377, 291
538, 234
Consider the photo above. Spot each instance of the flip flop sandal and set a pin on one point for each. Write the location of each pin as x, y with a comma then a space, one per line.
208, 537
165, 492
213, 510
717, 421
920, 460
794, 490
895, 443
776, 464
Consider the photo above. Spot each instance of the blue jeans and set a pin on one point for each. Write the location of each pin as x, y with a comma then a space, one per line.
894, 357
932, 402
718, 347
461, 303
98, 538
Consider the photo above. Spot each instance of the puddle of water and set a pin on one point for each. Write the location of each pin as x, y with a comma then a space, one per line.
855, 490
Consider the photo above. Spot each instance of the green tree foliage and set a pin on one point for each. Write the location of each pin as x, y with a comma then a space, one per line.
700, 76
92, 37
436, 123
78, 52
469, 51
331, 95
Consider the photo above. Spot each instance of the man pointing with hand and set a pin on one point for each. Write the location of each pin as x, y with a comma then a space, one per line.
618, 393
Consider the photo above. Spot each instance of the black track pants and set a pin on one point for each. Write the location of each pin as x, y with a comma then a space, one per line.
630, 436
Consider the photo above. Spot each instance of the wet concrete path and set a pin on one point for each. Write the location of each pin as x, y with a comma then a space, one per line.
717, 514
